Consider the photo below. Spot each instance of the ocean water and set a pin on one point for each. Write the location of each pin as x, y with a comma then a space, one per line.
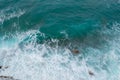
38, 37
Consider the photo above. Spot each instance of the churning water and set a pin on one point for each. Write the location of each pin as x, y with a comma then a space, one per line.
38, 39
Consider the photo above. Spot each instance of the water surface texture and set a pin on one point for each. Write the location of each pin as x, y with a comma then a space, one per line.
60, 39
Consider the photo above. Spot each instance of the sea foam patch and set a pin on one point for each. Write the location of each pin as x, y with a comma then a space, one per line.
41, 61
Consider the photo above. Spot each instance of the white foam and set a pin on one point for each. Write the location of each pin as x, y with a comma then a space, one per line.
6, 15
42, 62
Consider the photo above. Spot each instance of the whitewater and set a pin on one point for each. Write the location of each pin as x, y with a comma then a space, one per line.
38, 40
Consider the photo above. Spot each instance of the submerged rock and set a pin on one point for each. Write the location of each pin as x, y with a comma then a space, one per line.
75, 51
7, 78
91, 73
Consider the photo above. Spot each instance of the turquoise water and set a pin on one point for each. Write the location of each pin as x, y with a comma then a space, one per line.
37, 39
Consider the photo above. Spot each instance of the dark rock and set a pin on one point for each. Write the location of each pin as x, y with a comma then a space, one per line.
7, 78
75, 51
91, 73
2, 67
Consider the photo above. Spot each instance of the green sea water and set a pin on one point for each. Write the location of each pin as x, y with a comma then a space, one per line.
37, 38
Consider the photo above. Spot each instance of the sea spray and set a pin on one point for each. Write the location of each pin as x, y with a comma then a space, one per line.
60, 40
44, 62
